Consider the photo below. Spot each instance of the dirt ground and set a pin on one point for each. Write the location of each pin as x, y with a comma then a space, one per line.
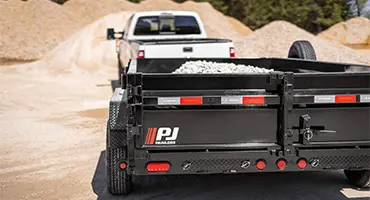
52, 133
53, 141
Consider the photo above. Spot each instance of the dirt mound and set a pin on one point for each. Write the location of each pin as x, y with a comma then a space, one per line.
275, 39
216, 23
239, 26
91, 10
32, 28
353, 31
88, 49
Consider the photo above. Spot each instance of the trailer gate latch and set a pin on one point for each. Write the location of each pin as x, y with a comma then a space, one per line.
307, 132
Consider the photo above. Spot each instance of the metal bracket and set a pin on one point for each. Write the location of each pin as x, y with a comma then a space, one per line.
135, 130
135, 114
275, 77
134, 88
273, 81
305, 132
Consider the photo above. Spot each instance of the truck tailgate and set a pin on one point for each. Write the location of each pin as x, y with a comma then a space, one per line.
190, 50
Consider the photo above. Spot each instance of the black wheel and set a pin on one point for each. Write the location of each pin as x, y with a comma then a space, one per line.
119, 182
302, 49
359, 178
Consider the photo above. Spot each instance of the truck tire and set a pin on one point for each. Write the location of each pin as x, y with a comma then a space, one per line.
360, 178
302, 49
119, 182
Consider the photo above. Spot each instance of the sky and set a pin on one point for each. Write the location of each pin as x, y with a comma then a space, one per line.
367, 6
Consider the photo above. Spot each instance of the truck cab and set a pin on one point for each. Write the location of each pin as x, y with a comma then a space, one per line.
168, 34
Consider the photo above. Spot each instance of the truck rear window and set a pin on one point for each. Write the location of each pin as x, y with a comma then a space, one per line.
168, 25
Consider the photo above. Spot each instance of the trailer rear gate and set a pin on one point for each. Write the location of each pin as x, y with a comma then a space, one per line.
218, 122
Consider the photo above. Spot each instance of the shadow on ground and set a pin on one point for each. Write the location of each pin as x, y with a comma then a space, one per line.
266, 186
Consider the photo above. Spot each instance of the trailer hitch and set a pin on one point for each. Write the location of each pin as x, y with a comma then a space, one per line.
307, 132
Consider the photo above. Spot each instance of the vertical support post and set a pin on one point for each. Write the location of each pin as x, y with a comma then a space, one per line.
286, 114
135, 112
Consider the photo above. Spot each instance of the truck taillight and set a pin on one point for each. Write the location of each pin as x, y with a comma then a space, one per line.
232, 52
141, 54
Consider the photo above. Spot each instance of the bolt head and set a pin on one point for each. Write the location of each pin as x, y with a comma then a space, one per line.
315, 163
186, 165
245, 164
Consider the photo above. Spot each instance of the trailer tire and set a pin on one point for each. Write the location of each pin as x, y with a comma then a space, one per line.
302, 49
119, 182
360, 178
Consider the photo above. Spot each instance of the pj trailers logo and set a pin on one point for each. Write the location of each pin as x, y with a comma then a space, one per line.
162, 135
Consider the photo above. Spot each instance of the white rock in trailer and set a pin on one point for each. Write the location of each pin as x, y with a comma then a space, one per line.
207, 67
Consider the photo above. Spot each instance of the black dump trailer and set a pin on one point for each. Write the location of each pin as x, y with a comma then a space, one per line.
305, 116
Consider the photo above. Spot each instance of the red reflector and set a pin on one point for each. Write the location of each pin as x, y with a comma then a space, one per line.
345, 98
254, 100
123, 165
158, 167
261, 164
141, 54
232, 52
191, 100
281, 164
302, 163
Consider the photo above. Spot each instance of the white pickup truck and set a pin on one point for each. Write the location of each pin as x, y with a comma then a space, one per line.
167, 34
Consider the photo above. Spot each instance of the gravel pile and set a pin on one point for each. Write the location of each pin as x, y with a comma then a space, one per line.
92, 10
275, 39
30, 29
216, 23
352, 31
204, 67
